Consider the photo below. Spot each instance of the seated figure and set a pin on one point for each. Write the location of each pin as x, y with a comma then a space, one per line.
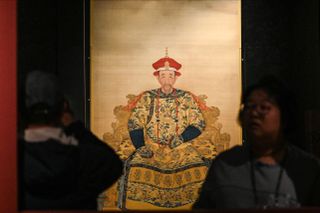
167, 137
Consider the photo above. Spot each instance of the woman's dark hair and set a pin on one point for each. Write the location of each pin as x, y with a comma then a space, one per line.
282, 96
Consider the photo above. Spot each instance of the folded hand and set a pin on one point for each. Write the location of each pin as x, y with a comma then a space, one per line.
145, 152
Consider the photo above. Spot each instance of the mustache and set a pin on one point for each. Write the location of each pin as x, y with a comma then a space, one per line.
166, 85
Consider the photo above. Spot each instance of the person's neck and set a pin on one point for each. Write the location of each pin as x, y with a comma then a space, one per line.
271, 155
167, 91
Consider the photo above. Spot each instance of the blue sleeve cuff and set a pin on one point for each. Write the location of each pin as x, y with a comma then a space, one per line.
137, 138
190, 133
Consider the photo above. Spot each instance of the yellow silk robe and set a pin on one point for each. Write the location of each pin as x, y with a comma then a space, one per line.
172, 177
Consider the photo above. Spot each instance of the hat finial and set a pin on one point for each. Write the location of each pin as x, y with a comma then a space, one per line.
166, 52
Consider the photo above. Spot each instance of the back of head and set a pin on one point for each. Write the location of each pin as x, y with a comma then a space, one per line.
43, 98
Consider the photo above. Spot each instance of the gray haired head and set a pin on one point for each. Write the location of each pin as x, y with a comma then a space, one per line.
42, 87
43, 98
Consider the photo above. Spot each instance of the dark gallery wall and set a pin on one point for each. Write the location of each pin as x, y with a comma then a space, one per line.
282, 38
278, 37
51, 38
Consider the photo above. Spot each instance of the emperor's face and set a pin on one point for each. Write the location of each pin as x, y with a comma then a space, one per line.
167, 79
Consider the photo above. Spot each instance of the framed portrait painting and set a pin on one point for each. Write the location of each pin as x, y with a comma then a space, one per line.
134, 46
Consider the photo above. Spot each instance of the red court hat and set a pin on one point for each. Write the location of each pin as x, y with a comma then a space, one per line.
166, 64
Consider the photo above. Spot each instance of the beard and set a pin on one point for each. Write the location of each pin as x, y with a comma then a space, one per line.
167, 88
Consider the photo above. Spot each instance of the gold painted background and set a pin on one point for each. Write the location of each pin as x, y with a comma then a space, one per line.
127, 36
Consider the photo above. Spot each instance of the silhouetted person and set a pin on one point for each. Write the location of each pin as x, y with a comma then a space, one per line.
62, 164
267, 171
